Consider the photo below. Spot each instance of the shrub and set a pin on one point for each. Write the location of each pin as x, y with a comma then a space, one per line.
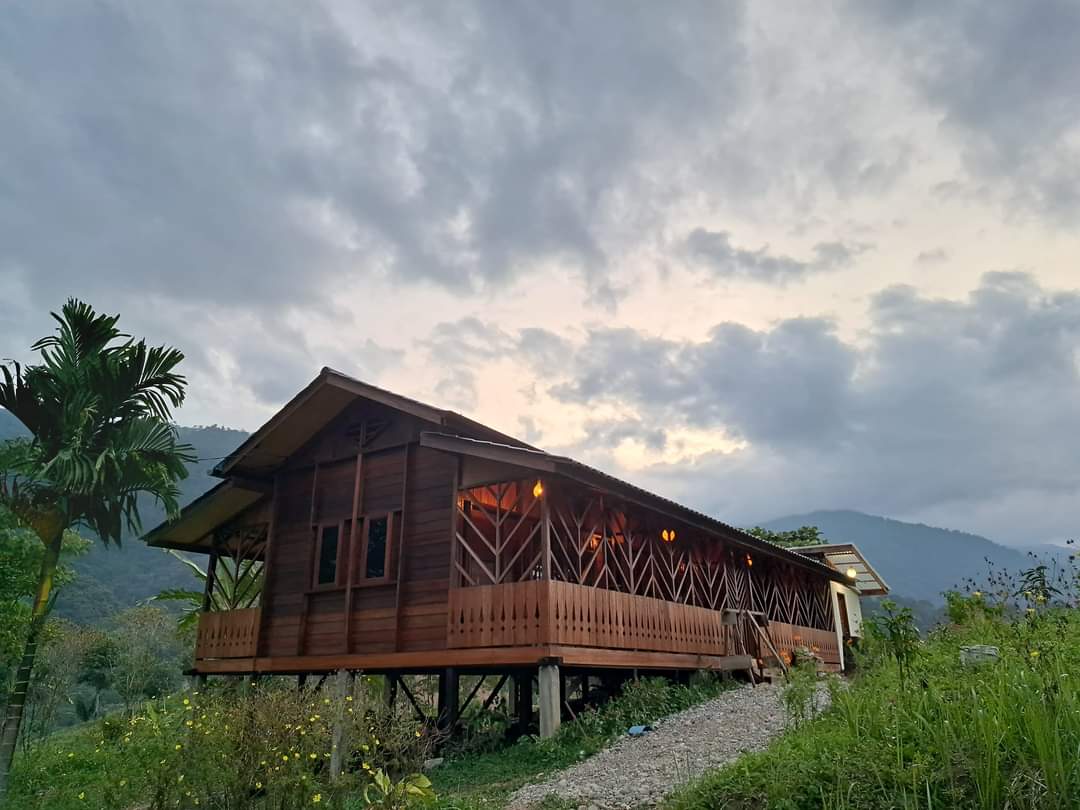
268, 748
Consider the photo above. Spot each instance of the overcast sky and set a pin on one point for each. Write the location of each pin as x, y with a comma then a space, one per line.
762, 257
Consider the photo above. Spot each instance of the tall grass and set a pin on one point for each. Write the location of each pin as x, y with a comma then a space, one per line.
1004, 734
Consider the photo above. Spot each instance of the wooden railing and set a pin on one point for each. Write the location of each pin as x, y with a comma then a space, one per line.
549, 612
228, 634
789, 637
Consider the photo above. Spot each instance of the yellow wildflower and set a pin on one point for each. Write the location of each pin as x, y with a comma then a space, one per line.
313, 755
316, 798
82, 795
1034, 653
258, 785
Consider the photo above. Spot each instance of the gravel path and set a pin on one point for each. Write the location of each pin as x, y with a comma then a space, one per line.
640, 771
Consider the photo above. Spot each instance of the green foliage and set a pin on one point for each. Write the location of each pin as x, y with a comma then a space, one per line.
487, 779
266, 747
897, 634
1000, 735
383, 793
800, 691
238, 584
97, 409
20, 564
802, 536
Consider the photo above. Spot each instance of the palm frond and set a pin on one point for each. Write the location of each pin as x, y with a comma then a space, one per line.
98, 406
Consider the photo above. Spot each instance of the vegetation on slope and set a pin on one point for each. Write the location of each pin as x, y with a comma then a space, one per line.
265, 747
1002, 734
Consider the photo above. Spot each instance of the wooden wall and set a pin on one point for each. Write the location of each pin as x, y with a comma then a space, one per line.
318, 485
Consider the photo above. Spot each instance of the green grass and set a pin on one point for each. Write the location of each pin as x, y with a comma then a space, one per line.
946, 736
486, 780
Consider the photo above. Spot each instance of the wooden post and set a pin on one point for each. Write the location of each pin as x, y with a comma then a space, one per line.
208, 599
545, 531
211, 576
400, 532
448, 699
550, 705
342, 687
390, 691
355, 536
523, 700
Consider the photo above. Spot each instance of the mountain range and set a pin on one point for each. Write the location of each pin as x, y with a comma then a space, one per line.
919, 562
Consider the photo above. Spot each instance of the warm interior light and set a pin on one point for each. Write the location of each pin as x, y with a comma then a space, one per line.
594, 541
538, 490
668, 535
852, 573
749, 561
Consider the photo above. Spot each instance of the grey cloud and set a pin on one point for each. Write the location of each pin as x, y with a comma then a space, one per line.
465, 341
787, 384
458, 390
714, 250
251, 152
934, 256
945, 405
1004, 76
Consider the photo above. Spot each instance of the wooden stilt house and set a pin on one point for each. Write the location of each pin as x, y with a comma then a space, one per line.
399, 538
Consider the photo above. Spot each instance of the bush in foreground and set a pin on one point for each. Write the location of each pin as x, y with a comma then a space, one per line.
269, 748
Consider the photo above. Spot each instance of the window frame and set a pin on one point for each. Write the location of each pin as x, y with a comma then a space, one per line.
343, 544
393, 519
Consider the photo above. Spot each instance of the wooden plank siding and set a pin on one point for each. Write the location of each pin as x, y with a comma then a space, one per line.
406, 610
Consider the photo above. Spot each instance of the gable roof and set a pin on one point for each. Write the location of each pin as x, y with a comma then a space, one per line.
541, 461
331, 392
317, 404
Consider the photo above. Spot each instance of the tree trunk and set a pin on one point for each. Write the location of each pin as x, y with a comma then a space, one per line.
17, 700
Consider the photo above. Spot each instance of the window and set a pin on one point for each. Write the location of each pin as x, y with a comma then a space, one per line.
378, 531
329, 539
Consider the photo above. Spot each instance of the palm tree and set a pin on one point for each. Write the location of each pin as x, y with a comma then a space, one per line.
97, 408
238, 584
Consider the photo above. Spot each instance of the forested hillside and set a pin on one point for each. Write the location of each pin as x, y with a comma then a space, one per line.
111, 579
919, 562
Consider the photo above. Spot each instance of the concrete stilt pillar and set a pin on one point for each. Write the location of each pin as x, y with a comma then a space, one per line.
550, 700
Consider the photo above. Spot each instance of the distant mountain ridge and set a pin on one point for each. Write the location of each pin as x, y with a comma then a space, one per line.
917, 561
